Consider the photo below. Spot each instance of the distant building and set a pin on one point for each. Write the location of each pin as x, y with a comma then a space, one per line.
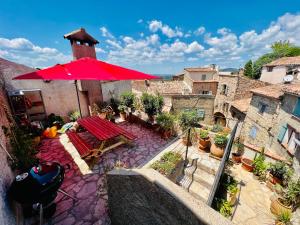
275, 71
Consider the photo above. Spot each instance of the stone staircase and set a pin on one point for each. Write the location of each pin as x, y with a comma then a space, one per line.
199, 175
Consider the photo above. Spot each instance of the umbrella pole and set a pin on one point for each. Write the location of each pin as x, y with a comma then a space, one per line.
78, 99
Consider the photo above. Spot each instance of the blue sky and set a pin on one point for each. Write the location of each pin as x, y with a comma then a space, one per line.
152, 36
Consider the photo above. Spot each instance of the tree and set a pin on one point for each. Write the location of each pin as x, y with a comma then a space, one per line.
248, 69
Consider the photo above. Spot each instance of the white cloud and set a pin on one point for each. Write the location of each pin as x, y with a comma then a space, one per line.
140, 21
106, 33
194, 47
199, 31
156, 25
100, 50
114, 44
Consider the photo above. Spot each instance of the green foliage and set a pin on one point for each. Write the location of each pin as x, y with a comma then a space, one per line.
203, 134
74, 116
152, 104
188, 119
217, 128
248, 69
279, 49
292, 194
239, 143
220, 140
122, 108
167, 163
23, 150
260, 166
285, 217
229, 183
128, 99
165, 121
224, 207
282, 171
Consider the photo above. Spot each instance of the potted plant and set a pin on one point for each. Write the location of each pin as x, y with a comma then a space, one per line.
247, 164
218, 146
166, 123
187, 120
122, 112
232, 191
128, 100
259, 166
237, 155
204, 140
289, 200
224, 207
152, 105
284, 218
74, 116
280, 173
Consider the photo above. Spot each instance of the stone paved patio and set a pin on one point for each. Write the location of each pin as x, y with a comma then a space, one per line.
87, 185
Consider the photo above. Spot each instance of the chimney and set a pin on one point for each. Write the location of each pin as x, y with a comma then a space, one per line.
83, 44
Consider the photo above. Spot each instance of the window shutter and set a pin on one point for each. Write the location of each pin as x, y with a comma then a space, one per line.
282, 133
297, 109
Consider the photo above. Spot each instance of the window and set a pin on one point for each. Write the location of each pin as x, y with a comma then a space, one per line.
253, 132
205, 92
296, 111
225, 107
203, 77
270, 68
289, 138
262, 108
224, 89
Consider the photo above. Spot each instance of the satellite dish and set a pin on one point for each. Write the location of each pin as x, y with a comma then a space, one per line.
288, 78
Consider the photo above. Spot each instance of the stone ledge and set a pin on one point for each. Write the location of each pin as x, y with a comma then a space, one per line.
172, 199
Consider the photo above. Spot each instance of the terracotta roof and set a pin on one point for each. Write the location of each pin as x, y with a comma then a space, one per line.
292, 89
81, 35
271, 91
285, 61
200, 69
241, 104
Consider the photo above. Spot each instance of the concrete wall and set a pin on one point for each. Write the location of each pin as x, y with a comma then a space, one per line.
116, 88
181, 102
6, 175
276, 76
145, 197
196, 76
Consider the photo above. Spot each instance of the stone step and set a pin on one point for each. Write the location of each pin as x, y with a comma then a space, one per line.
195, 189
204, 162
199, 175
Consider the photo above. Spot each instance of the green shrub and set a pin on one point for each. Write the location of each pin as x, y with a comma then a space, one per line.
122, 108
54, 119
217, 128
188, 119
128, 99
74, 115
152, 104
167, 163
165, 121
220, 140
259, 165
282, 171
203, 134
224, 208
285, 217
292, 194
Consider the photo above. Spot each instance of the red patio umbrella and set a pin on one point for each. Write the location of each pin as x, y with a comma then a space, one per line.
85, 69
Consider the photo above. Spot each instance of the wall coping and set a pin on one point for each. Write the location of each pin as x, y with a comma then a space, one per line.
197, 207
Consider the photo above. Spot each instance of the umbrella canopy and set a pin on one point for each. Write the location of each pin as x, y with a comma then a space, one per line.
86, 69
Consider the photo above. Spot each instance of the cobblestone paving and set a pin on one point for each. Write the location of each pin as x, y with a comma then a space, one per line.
89, 186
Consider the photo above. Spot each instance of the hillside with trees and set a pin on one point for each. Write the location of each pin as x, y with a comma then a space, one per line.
279, 49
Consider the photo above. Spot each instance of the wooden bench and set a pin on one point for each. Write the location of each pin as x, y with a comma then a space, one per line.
84, 149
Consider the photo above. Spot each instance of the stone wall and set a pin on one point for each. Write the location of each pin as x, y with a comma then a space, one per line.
144, 197
181, 102
6, 175
115, 89
205, 86
245, 85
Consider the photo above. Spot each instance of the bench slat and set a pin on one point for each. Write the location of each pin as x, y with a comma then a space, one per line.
82, 147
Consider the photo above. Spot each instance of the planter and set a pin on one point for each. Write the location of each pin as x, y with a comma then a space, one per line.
277, 207
102, 115
236, 157
270, 185
277, 222
185, 142
232, 198
247, 164
123, 115
216, 151
204, 144
274, 180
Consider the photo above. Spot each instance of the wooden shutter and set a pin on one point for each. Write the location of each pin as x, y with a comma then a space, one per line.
297, 108
282, 133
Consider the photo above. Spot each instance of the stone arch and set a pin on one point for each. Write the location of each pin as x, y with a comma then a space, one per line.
219, 118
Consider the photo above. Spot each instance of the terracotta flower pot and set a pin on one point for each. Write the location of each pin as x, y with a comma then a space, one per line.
275, 180
102, 115
247, 164
277, 222
185, 141
277, 207
236, 158
216, 151
204, 144
123, 115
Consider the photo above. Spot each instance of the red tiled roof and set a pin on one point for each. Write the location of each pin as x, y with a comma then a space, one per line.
292, 89
201, 69
241, 104
271, 91
80, 35
285, 61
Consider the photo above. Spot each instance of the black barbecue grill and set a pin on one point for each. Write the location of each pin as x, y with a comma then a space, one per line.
37, 189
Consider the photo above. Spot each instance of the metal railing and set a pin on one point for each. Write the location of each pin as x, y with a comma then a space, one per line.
222, 166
